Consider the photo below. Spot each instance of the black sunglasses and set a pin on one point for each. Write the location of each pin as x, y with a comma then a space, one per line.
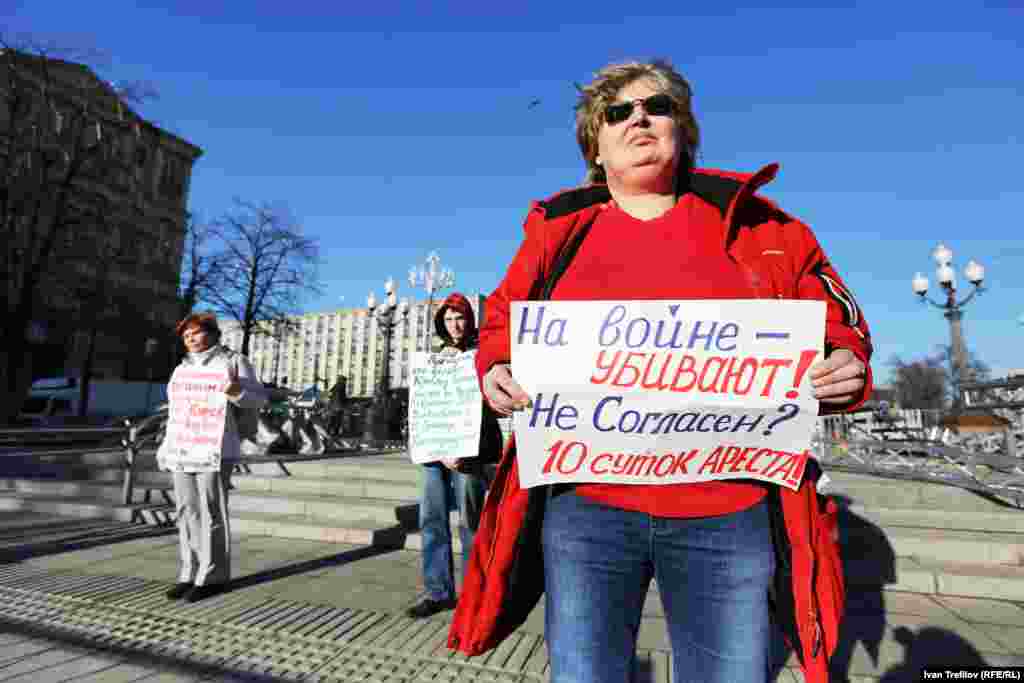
655, 105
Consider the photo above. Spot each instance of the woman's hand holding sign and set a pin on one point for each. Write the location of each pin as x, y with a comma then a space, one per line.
503, 392
839, 378
233, 388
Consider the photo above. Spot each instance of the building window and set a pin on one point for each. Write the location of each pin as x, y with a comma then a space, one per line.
172, 178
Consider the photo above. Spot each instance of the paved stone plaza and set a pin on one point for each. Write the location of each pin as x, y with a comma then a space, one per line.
82, 600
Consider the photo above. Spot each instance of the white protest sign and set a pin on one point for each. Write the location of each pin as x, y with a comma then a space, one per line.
665, 392
195, 422
445, 407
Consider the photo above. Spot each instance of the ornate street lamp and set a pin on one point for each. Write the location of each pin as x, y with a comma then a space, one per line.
952, 309
278, 348
388, 314
432, 278
309, 346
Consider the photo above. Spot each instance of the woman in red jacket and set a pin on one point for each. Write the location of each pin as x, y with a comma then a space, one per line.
661, 229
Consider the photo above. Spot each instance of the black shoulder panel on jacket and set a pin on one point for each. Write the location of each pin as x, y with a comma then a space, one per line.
575, 200
714, 189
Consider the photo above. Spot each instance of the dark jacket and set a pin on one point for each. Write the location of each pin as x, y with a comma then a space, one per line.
491, 440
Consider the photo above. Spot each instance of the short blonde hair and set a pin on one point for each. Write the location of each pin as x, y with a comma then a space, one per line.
602, 91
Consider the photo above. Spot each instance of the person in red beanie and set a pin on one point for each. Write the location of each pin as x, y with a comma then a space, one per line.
449, 483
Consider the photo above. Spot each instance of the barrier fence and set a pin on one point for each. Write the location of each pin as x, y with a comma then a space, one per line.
27, 449
991, 474
925, 459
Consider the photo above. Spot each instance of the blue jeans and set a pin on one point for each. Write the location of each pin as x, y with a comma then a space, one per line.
713, 574
444, 490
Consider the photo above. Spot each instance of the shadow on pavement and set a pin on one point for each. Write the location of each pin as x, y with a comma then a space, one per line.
869, 564
326, 562
933, 648
21, 542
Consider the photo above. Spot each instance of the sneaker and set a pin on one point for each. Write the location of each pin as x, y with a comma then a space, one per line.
178, 591
202, 592
427, 606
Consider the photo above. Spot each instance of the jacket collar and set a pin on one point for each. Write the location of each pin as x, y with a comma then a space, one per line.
727, 191
724, 190
205, 357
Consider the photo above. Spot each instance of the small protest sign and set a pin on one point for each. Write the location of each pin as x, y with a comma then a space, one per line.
444, 407
665, 392
195, 422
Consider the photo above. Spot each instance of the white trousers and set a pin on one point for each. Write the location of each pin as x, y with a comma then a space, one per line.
204, 537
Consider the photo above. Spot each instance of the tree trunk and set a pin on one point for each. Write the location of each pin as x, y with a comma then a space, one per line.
86, 378
17, 371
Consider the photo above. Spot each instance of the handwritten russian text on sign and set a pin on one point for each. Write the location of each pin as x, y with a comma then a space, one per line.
195, 423
444, 407
665, 392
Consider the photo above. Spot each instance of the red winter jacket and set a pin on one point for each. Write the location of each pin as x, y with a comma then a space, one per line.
779, 253
782, 259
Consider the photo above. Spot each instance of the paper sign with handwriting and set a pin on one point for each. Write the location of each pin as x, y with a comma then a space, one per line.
444, 407
665, 392
195, 422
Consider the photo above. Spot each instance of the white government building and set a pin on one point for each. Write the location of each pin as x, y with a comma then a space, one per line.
346, 342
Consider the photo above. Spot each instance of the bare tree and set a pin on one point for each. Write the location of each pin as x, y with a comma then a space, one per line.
265, 268
200, 265
931, 382
61, 144
98, 301
977, 370
921, 383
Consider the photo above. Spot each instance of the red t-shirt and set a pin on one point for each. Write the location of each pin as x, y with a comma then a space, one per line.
627, 258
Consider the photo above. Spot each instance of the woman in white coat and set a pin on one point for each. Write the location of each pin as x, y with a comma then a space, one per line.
201, 474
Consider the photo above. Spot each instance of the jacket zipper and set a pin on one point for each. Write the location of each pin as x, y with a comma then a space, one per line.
497, 525
816, 643
815, 611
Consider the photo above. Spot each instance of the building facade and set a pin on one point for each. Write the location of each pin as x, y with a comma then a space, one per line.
111, 279
319, 349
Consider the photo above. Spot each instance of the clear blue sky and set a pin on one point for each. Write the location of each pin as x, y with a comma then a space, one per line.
400, 128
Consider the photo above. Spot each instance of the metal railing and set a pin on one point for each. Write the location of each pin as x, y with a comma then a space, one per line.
57, 435
305, 433
301, 434
994, 475
29, 438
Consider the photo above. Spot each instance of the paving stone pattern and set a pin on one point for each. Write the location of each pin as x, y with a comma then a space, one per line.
76, 610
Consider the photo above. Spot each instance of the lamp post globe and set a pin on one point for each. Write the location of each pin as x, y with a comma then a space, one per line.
952, 309
920, 284
379, 425
433, 278
942, 254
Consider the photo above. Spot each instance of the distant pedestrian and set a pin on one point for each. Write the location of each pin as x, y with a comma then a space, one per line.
201, 490
451, 483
